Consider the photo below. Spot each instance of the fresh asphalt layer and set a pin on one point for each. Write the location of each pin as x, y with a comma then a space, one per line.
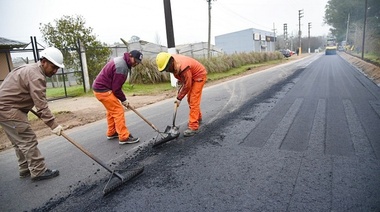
303, 136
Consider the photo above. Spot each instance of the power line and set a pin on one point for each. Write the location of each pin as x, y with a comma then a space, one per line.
242, 17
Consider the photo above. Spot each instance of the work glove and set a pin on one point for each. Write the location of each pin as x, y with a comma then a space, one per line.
178, 102
58, 130
125, 103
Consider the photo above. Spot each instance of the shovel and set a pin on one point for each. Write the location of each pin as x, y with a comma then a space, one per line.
174, 130
171, 131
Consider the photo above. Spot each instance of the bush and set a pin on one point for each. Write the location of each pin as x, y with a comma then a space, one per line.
147, 73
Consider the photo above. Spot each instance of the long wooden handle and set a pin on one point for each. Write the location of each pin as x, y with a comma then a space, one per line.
89, 154
175, 113
143, 118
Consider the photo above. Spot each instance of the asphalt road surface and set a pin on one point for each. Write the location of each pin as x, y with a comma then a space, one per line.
304, 136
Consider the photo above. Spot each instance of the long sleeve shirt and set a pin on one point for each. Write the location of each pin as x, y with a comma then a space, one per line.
189, 70
113, 76
22, 89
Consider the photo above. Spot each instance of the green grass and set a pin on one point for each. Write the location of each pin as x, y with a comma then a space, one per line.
373, 57
240, 70
369, 56
149, 89
32, 117
232, 72
129, 89
146, 89
72, 91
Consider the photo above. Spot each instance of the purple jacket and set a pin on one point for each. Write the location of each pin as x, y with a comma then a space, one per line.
113, 76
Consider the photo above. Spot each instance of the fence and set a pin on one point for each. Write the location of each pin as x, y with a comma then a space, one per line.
63, 79
69, 77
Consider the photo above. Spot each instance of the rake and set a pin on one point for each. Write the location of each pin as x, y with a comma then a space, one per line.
111, 184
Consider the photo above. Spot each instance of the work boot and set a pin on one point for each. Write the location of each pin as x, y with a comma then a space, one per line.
130, 140
115, 135
46, 175
24, 174
189, 132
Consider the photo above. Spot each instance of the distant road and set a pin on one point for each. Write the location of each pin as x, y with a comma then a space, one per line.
303, 136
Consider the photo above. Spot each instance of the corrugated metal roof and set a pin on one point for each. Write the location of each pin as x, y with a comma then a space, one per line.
10, 44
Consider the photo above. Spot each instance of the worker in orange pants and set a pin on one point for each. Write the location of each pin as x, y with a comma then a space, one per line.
194, 97
115, 115
107, 88
192, 76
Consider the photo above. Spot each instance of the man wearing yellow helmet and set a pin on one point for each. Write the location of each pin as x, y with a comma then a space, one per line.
192, 75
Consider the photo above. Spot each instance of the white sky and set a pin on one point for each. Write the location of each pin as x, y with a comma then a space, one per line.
115, 19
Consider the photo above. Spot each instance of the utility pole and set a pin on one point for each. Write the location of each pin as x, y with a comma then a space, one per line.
83, 60
308, 32
300, 15
274, 34
286, 36
291, 42
209, 29
348, 24
170, 35
365, 22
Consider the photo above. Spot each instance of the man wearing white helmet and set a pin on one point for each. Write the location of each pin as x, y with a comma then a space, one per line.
22, 89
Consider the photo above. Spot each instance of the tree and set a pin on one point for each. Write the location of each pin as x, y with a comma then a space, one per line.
336, 15
65, 33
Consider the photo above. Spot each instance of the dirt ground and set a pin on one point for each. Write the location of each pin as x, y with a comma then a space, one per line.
73, 112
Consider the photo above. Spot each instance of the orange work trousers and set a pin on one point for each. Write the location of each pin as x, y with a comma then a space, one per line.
115, 114
194, 99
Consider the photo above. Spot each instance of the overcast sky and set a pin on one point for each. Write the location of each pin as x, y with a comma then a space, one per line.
115, 19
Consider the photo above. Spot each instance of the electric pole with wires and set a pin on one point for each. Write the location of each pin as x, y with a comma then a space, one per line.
209, 29
300, 15
308, 32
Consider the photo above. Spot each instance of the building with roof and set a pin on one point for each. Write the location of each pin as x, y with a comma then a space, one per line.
198, 50
150, 50
248, 40
6, 64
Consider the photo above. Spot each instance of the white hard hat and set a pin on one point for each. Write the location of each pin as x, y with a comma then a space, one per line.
53, 55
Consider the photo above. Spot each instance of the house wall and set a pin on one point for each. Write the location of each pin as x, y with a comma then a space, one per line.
235, 42
198, 50
150, 50
4, 68
248, 40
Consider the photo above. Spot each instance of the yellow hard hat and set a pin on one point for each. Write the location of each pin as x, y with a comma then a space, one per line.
162, 60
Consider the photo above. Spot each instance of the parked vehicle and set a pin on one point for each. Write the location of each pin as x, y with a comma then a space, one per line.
286, 52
